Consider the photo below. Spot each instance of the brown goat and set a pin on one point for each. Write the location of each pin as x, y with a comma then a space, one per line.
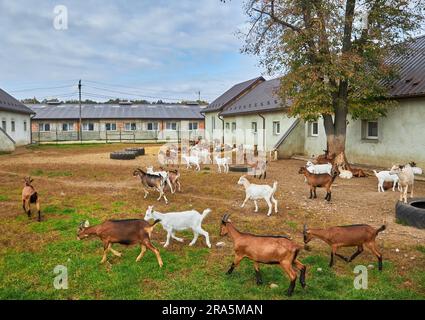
323, 180
359, 173
29, 195
357, 235
125, 232
174, 176
265, 249
324, 158
152, 181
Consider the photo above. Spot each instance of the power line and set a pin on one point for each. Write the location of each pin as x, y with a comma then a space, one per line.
42, 88
133, 94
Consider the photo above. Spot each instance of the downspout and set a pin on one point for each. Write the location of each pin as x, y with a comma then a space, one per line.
264, 131
222, 131
30, 126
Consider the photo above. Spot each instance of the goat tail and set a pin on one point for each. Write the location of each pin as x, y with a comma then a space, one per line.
205, 213
382, 228
274, 187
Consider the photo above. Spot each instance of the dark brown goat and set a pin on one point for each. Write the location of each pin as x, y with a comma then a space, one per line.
319, 181
358, 235
125, 232
29, 196
151, 181
265, 249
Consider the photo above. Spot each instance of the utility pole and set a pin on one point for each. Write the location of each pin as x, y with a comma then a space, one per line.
199, 96
80, 129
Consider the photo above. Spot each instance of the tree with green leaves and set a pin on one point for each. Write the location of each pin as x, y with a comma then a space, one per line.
333, 54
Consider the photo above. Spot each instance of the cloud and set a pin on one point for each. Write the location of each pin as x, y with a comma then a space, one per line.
167, 47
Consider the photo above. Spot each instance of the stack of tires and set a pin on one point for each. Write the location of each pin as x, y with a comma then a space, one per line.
127, 154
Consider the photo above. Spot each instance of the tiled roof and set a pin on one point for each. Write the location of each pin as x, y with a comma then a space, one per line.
110, 111
9, 103
231, 94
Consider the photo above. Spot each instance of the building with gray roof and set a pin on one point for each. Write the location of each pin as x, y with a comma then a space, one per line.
60, 122
15, 122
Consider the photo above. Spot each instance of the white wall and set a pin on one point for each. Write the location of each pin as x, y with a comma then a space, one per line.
20, 135
401, 137
244, 124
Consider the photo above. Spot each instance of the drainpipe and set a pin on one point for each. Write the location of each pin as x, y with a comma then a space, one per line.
264, 130
222, 121
30, 127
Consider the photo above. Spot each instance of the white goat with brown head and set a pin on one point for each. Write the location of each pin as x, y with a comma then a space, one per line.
29, 195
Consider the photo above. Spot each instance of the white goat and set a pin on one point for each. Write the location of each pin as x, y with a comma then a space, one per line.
385, 176
259, 191
319, 168
191, 160
345, 174
178, 221
163, 174
406, 178
222, 162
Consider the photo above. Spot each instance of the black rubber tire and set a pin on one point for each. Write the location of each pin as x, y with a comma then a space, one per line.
139, 151
409, 215
238, 168
123, 155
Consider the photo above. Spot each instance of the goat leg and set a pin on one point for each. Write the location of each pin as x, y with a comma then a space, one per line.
359, 250
258, 277
342, 257
314, 190
331, 262
235, 263
302, 268
142, 252
38, 210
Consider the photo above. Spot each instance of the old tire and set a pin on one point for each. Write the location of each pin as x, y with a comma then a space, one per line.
139, 151
238, 168
411, 213
123, 155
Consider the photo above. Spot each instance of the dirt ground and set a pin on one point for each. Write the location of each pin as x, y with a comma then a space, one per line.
81, 176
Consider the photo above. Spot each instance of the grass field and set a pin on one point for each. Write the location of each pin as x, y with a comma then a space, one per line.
80, 182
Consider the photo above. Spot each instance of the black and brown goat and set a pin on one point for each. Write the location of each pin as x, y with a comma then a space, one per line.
29, 196
126, 232
151, 181
358, 235
322, 180
265, 249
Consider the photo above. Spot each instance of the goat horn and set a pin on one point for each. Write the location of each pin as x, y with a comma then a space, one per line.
225, 217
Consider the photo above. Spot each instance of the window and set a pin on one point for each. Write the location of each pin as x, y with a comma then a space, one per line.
171, 126
152, 126
4, 125
276, 127
111, 126
314, 128
88, 126
68, 126
25, 126
372, 130
130, 126
254, 127
193, 126
227, 126
44, 127
213, 122
12, 125
233, 126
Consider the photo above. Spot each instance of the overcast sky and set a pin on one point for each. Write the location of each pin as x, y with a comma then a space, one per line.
164, 49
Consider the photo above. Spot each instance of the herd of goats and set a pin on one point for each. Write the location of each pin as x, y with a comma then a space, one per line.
319, 173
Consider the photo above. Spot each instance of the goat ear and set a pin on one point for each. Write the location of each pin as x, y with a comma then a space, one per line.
86, 224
